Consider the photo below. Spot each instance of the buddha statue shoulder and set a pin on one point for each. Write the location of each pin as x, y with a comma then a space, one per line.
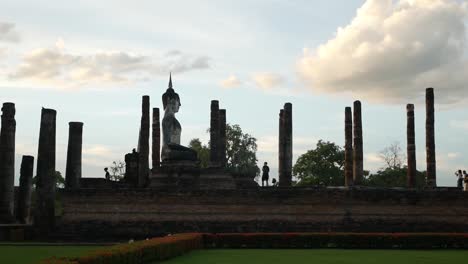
171, 129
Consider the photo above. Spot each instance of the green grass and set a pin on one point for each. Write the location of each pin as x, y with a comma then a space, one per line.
322, 256
33, 254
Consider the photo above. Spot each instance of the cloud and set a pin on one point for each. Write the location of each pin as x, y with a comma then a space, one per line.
267, 80
231, 82
58, 67
392, 50
8, 33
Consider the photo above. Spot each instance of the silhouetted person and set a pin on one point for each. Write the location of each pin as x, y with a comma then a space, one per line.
265, 173
466, 180
107, 174
459, 174
274, 182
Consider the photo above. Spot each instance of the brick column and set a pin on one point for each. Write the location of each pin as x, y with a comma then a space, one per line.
214, 134
410, 146
7, 163
286, 148
74, 155
358, 153
222, 137
156, 140
430, 140
44, 219
23, 210
143, 143
348, 147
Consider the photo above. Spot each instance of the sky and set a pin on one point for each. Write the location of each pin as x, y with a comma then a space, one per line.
93, 60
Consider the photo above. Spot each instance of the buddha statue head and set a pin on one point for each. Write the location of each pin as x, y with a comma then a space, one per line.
171, 100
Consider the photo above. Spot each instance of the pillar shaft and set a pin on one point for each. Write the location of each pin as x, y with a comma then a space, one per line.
430, 139
285, 178
281, 146
23, 210
143, 143
348, 147
156, 140
45, 184
222, 137
74, 155
358, 153
7, 163
214, 134
410, 146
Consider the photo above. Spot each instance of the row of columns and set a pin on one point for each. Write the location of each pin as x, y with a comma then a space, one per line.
353, 170
285, 147
218, 139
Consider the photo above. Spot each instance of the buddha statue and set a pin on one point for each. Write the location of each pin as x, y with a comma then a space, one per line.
171, 148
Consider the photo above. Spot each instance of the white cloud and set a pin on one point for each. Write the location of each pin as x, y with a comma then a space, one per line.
231, 82
267, 80
392, 50
58, 67
8, 33
453, 155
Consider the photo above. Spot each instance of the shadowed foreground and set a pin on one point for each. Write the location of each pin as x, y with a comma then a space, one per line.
325, 256
33, 254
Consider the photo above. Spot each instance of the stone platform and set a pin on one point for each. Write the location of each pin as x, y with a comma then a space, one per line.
188, 175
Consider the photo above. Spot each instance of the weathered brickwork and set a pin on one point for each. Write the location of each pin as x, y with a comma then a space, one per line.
145, 213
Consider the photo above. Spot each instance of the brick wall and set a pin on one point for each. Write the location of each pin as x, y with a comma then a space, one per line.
122, 214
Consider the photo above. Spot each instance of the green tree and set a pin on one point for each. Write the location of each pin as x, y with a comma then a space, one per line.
202, 150
117, 170
241, 149
59, 180
321, 166
394, 172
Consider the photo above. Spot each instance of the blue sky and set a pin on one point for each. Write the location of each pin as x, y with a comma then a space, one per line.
93, 60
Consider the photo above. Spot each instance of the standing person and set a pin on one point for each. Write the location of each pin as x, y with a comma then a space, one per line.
466, 180
459, 174
107, 173
265, 173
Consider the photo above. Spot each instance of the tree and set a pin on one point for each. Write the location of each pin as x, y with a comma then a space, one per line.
321, 166
395, 171
59, 180
241, 152
117, 170
202, 150
241, 149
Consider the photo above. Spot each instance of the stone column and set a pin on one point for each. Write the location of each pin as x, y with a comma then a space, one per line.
143, 143
214, 134
410, 146
44, 219
430, 140
23, 210
156, 141
7, 163
75, 144
281, 146
222, 137
358, 153
285, 177
348, 147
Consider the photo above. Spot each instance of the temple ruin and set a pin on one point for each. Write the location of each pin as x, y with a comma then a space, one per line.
176, 194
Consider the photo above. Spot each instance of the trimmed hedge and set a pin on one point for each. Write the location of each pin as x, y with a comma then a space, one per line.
337, 240
139, 252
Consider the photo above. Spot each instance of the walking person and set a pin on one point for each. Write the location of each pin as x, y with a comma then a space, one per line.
265, 174
107, 174
459, 174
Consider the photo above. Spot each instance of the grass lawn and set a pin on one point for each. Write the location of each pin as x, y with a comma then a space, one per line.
33, 254
322, 256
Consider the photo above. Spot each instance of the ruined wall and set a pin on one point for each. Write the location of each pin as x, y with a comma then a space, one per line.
100, 214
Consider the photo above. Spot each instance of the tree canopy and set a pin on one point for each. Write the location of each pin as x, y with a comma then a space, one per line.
241, 152
321, 166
